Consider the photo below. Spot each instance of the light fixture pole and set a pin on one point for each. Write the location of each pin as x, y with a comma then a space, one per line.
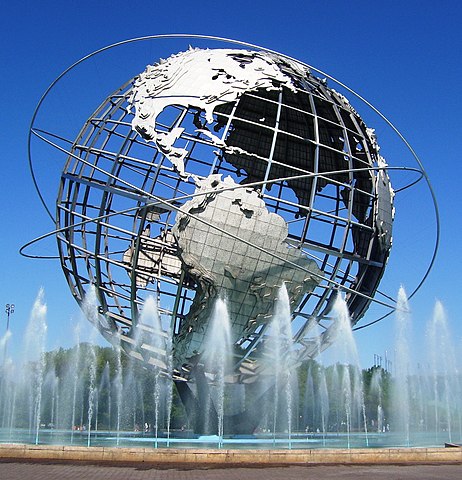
9, 310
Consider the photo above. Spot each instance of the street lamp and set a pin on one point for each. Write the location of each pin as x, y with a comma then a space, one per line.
9, 310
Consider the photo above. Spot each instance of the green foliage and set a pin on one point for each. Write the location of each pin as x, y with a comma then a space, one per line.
325, 391
319, 401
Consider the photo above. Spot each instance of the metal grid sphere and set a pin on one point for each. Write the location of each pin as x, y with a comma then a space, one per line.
305, 152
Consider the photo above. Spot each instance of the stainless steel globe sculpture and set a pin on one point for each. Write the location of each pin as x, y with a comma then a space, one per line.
219, 179
227, 173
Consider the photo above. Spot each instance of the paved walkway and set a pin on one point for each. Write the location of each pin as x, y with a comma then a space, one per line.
21, 470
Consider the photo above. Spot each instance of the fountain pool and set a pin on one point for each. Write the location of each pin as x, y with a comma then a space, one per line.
94, 396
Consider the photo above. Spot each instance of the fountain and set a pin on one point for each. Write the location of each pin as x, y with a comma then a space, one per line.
75, 367
445, 378
150, 332
217, 360
324, 402
157, 217
279, 360
118, 387
352, 389
74, 397
376, 392
35, 347
91, 391
401, 390
5, 380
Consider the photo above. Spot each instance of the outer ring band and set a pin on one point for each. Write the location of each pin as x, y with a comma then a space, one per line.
249, 45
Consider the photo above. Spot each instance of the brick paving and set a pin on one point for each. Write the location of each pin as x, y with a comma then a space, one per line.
24, 470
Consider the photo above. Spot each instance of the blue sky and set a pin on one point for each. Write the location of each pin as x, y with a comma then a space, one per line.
404, 57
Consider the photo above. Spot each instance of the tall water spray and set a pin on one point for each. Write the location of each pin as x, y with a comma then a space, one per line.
129, 390
150, 330
279, 354
309, 400
444, 376
90, 309
5, 380
91, 390
4, 341
346, 351
217, 357
347, 401
118, 385
50, 401
321, 398
324, 402
169, 386
376, 392
402, 367
104, 392
34, 349
74, 368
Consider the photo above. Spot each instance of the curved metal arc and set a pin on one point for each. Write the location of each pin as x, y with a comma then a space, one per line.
409, 147
161, 201
245, 44
40, 133
307, 173
189, 196
169, 202
175, 199
416, 158
377, 320
410, 185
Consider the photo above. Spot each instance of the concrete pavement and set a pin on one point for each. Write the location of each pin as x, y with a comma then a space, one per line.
11, 469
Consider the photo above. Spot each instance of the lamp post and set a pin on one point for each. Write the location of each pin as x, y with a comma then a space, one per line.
9, 310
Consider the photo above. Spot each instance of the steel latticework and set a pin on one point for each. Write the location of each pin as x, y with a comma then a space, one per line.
223, 173
304, 151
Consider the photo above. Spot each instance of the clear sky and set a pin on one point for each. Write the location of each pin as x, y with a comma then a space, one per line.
404, 57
